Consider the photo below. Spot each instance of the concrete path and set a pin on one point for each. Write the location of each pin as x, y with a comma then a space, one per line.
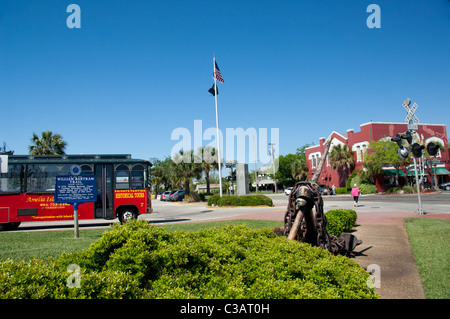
386, 247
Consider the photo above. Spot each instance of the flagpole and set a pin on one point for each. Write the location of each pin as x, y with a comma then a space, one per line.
217, 127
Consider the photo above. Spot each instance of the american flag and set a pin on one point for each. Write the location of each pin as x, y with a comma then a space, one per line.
217, 75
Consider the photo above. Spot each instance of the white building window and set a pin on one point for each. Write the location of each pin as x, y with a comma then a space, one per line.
314, 158
360, 149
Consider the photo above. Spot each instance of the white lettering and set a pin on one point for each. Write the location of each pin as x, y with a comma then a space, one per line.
74, 280
374, 20
374, 279
74, 20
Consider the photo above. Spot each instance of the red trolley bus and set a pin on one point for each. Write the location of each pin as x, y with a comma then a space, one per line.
27, 188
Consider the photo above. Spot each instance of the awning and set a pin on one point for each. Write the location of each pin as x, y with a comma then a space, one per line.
413, 173
441, 171
393, 172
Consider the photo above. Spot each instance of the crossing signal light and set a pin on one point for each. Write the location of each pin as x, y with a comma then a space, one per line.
397, 139
417, 150
432, 148
403, 152
408, 137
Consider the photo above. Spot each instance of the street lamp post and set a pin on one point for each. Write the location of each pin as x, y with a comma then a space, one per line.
273, 163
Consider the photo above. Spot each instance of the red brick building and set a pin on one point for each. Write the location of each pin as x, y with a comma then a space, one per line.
357, 143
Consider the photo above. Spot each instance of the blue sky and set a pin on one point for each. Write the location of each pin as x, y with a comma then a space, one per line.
137, 70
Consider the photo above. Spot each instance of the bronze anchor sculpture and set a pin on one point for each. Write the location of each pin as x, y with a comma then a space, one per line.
306, 222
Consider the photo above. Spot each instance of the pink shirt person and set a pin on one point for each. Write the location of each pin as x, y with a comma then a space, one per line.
355, 193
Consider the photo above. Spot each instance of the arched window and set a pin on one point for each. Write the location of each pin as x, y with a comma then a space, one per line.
137, 177
122, 177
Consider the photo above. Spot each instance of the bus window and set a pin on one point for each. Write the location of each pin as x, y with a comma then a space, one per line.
138, 177
42, 177
122, 177
11, 181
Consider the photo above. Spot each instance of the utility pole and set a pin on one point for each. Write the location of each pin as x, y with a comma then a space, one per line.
273, 163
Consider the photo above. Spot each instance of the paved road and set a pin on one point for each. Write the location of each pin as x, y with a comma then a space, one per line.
166, 212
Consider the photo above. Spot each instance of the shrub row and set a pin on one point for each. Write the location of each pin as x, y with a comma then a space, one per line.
138, 260
340, 220
365, 188
404, 189
341, 190
233, 200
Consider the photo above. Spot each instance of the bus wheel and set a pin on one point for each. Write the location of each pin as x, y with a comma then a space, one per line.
126, 214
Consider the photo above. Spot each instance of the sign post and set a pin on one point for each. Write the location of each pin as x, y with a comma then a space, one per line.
75, 188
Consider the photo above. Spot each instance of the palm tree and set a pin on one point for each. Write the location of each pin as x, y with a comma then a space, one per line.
341, 159
185, 168
299, 169
47, 144
209, 162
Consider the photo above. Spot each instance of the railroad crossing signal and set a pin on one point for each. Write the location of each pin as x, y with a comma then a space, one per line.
410, 118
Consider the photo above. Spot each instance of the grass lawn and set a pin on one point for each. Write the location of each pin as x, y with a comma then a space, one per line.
45, 244
430, 244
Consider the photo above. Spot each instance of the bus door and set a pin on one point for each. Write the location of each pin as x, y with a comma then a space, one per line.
104, 207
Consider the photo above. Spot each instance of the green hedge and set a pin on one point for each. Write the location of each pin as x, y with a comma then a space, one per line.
341, 190
234, 200
138, 260
405, 189
340, 220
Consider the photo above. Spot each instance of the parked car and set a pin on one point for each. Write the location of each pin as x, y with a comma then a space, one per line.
324, 190
166, 195
445, 186
163, 195
288, 190
177, 196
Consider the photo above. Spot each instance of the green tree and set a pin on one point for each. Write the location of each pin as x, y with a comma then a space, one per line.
209, 162
159, 173
185, 168
47, 144
292, 167
299, 169
284, 173
381, 154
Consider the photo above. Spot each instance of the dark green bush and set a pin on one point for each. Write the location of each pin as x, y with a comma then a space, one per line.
367, 188
138, 260
341, 190
340, 220
212, 201
234, 200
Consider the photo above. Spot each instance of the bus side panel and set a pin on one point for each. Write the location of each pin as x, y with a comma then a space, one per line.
31, 208
4, 214
135, 197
